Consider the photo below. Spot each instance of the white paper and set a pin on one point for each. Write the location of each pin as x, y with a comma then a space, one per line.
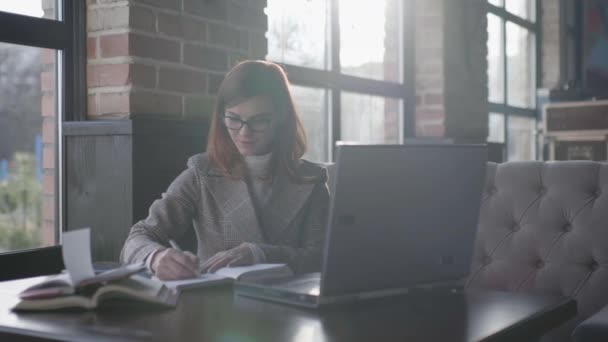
236, 271
76, 250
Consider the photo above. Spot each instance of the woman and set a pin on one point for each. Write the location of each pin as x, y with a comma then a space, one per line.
250, 198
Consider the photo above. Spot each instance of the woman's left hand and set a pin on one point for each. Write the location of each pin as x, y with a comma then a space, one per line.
240, 255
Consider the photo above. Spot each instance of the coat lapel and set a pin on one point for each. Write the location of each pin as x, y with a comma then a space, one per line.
286, 200
233, 199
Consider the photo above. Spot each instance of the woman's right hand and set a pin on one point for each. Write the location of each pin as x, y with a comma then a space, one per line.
171, 264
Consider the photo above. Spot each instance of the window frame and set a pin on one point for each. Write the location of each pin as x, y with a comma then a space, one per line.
535, 28
67, 36
336, 82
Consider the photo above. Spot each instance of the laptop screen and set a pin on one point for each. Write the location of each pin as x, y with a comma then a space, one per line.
401, 215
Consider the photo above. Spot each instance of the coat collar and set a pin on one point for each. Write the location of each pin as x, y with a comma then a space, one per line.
234, 200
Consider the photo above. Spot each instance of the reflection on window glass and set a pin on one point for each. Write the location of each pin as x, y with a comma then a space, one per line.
313, 106
32, 8
496, 132
370, 119
496, 70
522, 138
520, 66
370, 41
27, 147
522, 8
299, 32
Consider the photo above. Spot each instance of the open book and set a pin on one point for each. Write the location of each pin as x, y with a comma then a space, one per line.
80, 287
134, 288
229, 274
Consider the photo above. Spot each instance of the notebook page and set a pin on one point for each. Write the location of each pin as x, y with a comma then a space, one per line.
76, 250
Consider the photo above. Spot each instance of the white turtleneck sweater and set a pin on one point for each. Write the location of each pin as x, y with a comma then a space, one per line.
259, 185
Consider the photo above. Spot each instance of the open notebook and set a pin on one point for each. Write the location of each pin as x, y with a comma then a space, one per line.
229, 274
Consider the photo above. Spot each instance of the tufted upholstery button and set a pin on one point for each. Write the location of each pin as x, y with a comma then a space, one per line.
487, 260
542, 191
598, 192
567, 227
540, 264
516, 228
593, 265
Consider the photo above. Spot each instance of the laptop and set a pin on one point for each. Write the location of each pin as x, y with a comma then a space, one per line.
400, 216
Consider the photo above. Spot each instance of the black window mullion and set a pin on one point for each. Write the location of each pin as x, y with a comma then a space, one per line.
36, 32
74, 56
408, 29
503, 13
334, 74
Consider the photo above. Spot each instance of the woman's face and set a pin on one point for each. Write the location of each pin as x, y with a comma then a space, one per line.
252, 125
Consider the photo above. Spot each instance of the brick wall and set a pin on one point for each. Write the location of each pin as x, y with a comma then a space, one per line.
451, 76
551, 44
49, 137
429, 68
166, 58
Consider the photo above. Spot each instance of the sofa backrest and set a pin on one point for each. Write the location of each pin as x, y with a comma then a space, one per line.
543, 227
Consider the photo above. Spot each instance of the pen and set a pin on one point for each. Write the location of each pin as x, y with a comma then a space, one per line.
174, 245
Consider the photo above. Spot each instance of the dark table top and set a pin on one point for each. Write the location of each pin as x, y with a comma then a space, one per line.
215, 314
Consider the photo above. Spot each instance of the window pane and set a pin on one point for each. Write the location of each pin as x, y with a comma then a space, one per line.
522, 8
31, 8
313, 106
520, 66
299, 32
496, 132
28, 129
498, 3
496, 71
370, 119
522, 138
370, 40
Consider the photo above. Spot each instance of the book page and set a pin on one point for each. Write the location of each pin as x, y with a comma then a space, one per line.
206, 279
238, 271
76, 250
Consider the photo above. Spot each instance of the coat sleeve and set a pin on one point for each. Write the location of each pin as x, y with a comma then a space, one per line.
308, 255
169, 217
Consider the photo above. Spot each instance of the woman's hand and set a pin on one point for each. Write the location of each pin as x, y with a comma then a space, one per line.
240, 255
171, 264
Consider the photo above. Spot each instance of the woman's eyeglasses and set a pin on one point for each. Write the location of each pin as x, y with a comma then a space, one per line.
256, 124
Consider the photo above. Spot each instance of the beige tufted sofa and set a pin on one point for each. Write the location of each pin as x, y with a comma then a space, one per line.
543, 227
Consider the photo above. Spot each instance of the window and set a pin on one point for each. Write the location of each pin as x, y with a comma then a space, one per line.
513, 71
37, 76
343, 91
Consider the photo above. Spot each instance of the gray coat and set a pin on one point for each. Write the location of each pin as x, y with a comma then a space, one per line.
221, 212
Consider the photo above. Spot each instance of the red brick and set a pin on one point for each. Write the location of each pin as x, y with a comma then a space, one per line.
216, 10
163, 4
215, 81
113, 104
104, 75
155, 48
49, 130
48, 208
199, 107
142, 75
246, 17
184, 81
92, 105
182, 27
143, 18
48, 233
205, 57
433, 99
48, 157
107, 18
429, 114
47, 81
92, 48
114, 45
224, 35
47, 56
144, 102
48, 183
48, 105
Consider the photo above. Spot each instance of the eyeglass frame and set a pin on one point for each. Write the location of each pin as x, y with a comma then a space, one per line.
246, 122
